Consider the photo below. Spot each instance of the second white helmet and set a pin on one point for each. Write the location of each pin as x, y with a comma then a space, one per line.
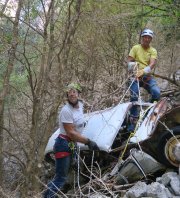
147, 32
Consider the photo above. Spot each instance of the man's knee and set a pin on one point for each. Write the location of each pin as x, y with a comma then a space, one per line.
134, 96
155, 92
134, 99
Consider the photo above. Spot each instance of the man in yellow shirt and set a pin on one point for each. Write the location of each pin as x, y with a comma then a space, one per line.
144, 57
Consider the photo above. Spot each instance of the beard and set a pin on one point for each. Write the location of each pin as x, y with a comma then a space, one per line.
73, 103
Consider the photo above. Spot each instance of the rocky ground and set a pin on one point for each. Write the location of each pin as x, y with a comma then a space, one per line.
166, 186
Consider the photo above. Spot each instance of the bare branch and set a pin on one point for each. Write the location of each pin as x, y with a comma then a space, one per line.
4, 6
23, 166
173, 81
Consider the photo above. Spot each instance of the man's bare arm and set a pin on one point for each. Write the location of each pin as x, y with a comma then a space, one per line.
74, 135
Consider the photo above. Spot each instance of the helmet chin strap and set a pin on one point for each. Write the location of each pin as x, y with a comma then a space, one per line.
73, 104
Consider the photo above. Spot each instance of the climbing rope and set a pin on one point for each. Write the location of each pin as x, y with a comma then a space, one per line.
141, 116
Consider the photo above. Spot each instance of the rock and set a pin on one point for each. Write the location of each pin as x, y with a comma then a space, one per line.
171, 180
166, 178
158, 190
137, 191
175, 185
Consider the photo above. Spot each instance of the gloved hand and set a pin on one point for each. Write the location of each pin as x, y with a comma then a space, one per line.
131, 65
140, 73
147, 69
92, 145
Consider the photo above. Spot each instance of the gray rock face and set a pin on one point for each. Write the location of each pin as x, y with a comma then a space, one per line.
167, 186
171, 180
175, 185
138, 190
158, 190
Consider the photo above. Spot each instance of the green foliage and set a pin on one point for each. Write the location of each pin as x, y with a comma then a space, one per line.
18, 85
19, 81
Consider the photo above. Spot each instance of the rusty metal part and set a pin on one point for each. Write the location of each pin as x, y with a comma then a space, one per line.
172, 150
159, 110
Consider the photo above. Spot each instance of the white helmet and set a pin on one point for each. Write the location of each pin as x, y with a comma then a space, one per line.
147, 32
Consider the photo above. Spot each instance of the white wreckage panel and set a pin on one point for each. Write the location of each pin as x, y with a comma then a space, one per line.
145, 129
50, 144
103, 126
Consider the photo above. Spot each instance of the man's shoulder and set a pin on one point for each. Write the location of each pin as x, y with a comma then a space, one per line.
66, 108
81, 103
137, 46
152, 49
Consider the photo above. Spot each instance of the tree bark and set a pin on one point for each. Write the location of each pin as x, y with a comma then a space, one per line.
6, 78
39, 95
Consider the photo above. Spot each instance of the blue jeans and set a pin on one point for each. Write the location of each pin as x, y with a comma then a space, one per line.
150, 85
62, 169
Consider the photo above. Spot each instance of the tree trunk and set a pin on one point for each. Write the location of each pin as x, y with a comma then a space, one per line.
5, 88
35, 154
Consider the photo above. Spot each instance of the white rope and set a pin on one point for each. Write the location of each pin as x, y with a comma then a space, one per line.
142, 112
106, 121
100, 181
78, 173
171, 131
92, 160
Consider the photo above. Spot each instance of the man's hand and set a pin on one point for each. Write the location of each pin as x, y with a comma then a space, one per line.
92, 145
139, 73
131, 66
147, 70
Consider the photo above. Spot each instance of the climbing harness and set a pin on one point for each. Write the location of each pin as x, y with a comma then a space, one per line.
71, 145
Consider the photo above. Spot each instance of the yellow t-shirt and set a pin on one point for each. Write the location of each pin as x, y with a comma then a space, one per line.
143, 56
